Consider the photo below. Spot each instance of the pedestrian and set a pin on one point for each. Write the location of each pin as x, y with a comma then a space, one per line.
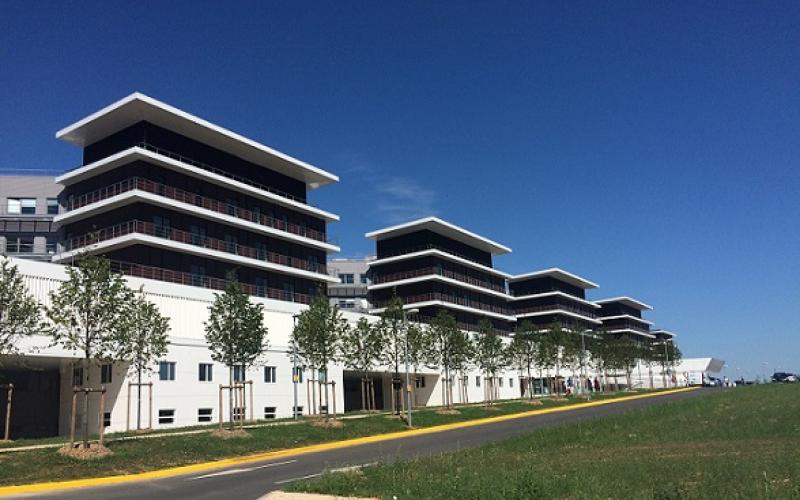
596, 385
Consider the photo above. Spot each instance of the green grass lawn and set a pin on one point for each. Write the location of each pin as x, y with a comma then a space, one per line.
734, 443
168, 451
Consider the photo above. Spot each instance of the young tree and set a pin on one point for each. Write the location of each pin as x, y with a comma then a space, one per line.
450, 349
20, 315
317, 336
392, 333
235, 332
628, 356
572, 348
488, 349
147, 342
547, 353
88, 314
603, 353
360, 348
522, 352
418, 348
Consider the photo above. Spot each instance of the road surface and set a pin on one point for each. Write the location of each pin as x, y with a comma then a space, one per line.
253, 480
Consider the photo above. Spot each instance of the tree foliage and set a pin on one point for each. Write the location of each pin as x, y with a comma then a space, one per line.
523, 351
20, 314
450, 347
318, 334
235, 329
360, 346
488, 349
148, 334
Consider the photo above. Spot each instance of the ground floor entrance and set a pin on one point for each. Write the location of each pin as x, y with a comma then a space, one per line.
353, 388
35, 404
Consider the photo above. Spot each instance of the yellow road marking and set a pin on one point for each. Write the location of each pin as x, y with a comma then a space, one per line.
302, 450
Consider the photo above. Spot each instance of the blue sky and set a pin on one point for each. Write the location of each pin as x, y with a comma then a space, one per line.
651, 147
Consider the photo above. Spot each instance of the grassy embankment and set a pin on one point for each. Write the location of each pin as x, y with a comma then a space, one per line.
736, 443
141, 455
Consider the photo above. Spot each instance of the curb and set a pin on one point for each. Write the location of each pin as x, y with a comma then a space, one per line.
303, 450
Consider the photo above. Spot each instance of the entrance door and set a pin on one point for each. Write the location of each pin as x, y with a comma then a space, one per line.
35, 406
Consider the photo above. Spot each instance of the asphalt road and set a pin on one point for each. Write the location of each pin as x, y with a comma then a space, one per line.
253, 480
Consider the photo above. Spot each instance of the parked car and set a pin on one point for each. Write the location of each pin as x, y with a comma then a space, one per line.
784, 377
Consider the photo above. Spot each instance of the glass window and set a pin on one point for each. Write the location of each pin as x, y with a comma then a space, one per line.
204, 414
419, 382
206, 372
269, 412
52, 206
106, 373
77, 376
238, 374
166, 416
269, 374
166, 370
511, 381
364, 279
478, 381
347, 279
14, 206
107, 419
501, 381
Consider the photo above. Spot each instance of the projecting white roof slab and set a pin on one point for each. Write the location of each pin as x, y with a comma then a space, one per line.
444, 228
139, 107
641, 306
713, 365
558, 274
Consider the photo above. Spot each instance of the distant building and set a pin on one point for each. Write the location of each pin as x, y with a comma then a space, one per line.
28, 204
351, 291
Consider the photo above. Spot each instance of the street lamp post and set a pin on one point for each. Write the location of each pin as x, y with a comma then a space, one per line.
294, 371
408, 382
666, 361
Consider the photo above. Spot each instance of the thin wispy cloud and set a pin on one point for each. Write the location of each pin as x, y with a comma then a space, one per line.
401, 199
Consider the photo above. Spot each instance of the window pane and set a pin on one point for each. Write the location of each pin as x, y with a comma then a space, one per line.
14, 206
52, 206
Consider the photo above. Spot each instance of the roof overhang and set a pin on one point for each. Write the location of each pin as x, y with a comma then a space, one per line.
139, 107
663, 333
443, 228
558, 274
641, 306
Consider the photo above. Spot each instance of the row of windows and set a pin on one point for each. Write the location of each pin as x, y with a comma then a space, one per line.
27, 206
349, 278
205, 415
499, 381
205, 373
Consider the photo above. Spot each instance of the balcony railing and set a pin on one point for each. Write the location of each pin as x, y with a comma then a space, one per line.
182, 278
205, 166
625, 325
541, 290
451, 299
180, 236
387, 278
191, 199
556, 308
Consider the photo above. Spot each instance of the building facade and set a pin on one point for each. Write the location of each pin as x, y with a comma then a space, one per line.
431, 264
350, 292
169, 196
622, 317
28, 204
553, 296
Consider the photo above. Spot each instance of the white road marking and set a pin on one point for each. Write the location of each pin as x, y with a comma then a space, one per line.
284, 481
332, 471
239, 471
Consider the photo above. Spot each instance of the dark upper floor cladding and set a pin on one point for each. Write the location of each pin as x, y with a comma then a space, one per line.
617, 309
154, 136
543, 285
405, 269
426, 239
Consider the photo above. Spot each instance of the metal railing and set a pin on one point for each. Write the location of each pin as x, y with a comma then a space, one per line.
190, 198
180, 236
182, 278
205, 166
386, 278
556, 308
451, 299
625, 325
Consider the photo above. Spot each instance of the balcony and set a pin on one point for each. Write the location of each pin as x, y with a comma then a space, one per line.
141, 184
181, 278
450, 299
426, 271
626, 325
180, 236
555, 309
205, 166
